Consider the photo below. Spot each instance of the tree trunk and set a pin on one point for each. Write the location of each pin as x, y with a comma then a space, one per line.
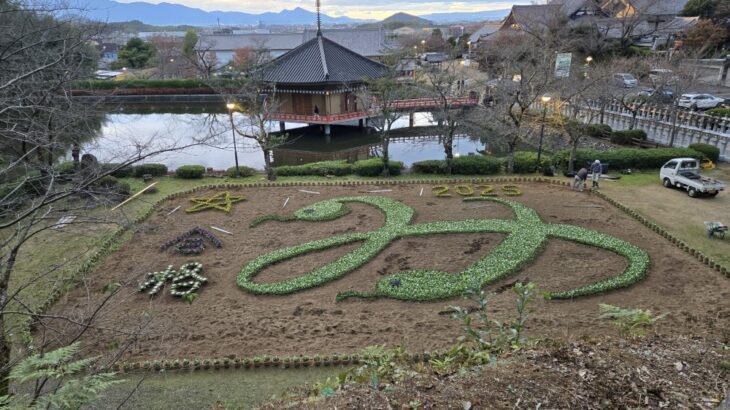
511, 157
449, 151
573, 151
675, 129
386, 157
267, 166
4, 345
632, 124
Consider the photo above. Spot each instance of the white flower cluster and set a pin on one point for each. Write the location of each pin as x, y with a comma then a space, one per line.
185, 281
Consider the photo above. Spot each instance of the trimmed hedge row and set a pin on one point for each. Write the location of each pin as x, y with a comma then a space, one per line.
243, 171
190, 171
467, 165
322, 168
719, 112
373, 167
709, 151
155, 170
526, 161
623, 158
598, 130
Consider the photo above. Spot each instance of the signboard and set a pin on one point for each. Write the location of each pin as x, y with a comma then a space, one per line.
562, 65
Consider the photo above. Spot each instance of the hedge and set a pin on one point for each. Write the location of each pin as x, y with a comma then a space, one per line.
373, 167
719, 112
124, 172
323, 168
468, 165
526, 161
624, 158
67, 167
710, 151
430, 166
627, 137
598, 130
243, 171
113, 184
155, 170
190, 171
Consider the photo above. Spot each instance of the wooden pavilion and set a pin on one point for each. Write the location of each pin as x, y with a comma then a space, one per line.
318, 82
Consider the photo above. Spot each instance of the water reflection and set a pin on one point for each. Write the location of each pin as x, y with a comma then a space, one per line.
203, 136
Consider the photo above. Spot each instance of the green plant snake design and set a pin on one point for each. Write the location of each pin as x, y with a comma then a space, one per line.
526, 236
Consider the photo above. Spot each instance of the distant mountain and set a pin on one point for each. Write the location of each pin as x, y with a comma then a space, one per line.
407, 19
168, 14
467, 17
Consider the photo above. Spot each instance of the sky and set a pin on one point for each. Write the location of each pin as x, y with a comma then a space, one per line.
361, 9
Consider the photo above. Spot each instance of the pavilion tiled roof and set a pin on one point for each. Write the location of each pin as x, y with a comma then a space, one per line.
322, 61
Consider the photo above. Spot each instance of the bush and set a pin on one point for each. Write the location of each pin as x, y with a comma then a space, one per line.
124, 172
373, 167
710, 151
476, 165
323, 168
243, 171
114, 185
525, 162
153, 169
430, 166
65, 168
598, 130
468, 165
627, 137
190, 171
623, 158
719, 112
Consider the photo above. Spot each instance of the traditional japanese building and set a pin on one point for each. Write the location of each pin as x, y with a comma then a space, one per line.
318, 82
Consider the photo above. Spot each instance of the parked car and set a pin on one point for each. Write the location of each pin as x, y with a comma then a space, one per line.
684, 173
662, 95
699, 101
625, 80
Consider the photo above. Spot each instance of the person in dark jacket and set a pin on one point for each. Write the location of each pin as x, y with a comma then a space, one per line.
580, 179
596, 171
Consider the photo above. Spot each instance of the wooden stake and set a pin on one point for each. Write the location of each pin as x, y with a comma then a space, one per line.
309, 192
285, 202
135, 195
379, 190
421, 194
220, 230
173, 211
583, 206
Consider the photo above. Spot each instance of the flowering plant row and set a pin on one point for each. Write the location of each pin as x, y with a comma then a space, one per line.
526, 237
185, 281
188, 244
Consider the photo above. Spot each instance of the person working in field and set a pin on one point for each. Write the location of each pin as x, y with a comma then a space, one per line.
596, 171
580, 179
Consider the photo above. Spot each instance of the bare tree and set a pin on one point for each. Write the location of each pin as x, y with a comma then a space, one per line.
42, 57
525, 73
382, 95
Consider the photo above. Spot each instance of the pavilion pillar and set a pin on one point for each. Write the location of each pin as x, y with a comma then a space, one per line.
360, 123
411, 119
282, 126
327, 133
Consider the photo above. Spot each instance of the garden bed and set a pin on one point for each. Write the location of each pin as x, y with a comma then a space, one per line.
227, 320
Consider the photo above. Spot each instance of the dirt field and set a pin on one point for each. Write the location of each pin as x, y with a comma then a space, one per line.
225, 320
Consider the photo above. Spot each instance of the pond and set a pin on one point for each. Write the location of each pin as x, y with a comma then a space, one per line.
202, 135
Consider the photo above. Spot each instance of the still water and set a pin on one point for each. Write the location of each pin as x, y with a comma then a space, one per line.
204, 137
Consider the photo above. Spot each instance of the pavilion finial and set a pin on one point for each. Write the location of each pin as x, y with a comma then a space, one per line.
319, 20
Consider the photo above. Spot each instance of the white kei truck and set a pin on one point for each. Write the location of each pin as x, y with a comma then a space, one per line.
684, 173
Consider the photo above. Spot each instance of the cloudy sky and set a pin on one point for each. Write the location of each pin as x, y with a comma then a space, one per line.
371, 9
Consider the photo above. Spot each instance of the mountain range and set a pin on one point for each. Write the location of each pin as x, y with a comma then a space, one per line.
166, 14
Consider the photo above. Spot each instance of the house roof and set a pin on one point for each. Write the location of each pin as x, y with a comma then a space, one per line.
533, 16
485, 30
645, 7
321, 61
230, 42
366, 42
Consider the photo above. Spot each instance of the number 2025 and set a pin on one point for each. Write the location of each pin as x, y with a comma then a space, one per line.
443, 191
